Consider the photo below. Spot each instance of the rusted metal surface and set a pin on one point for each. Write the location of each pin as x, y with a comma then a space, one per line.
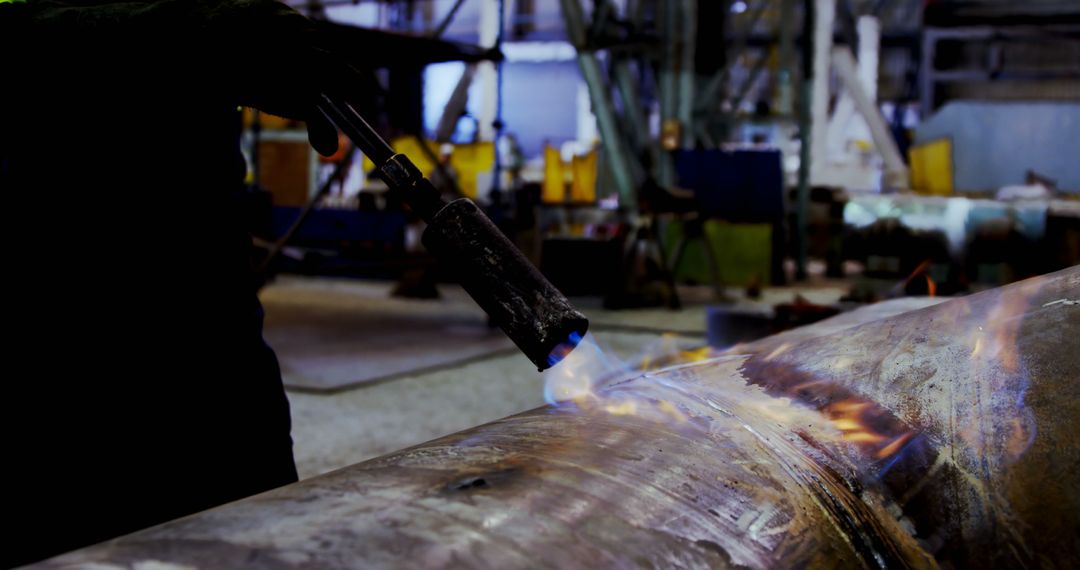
916, 440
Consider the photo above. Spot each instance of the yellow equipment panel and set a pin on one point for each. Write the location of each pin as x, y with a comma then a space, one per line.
932, 167
554, 191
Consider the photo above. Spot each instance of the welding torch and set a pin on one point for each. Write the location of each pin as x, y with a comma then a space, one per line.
529, 309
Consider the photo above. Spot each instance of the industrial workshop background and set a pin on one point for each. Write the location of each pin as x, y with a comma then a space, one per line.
802, 279
800, 130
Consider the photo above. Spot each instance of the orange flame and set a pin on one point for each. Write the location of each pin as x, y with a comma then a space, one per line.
777, 351
624, 408
924, 270
697, 355
560, 352
656, 356
668, 354
996, 339
855, 419
894, 446
573, 377
581, 374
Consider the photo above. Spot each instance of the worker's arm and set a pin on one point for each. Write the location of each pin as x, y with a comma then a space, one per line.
256, 53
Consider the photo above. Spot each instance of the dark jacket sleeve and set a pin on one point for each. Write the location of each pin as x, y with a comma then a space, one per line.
258, 53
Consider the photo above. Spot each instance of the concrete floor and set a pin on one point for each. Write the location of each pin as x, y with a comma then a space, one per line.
334, 430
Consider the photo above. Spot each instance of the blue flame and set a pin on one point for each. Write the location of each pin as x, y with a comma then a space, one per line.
562, 349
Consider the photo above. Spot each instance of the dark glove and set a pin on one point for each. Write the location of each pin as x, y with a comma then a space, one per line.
122, 55
282, 64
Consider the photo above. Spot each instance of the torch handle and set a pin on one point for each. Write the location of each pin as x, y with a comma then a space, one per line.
356, 128
395, 169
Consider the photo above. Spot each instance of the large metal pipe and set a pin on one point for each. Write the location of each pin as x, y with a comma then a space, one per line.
940, 436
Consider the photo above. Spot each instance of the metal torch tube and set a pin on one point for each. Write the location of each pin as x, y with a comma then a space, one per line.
526, 306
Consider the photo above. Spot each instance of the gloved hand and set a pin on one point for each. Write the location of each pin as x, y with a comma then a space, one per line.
123, 55
282, 64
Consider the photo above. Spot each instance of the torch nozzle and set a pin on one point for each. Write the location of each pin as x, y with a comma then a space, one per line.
564, 348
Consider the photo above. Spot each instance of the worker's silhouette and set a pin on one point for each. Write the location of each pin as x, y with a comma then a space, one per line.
139, 388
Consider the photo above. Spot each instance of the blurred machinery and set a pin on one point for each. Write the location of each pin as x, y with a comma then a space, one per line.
713, 136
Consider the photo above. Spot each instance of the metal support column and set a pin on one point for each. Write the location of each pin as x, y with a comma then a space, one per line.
667, 13
631, 100
687, 41
805, 95
486, 73
824, 15
496, 178
622, 167
455, 107
896, 172
785, 101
